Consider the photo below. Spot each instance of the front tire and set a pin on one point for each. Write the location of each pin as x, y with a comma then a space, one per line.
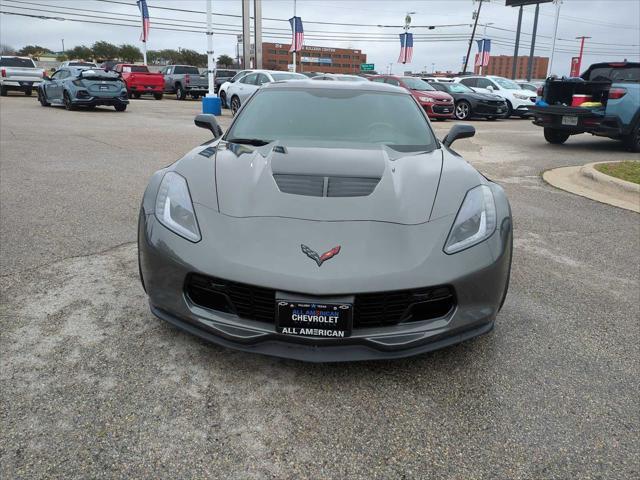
462, 110
136, 95
67, 101
120, 108
235, 105
554, 136
223, 99
181, 93
3, 91
43, 99
28, 92
509, 110
157, 96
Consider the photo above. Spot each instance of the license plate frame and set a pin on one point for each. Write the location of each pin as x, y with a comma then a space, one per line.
569, 120
303, 324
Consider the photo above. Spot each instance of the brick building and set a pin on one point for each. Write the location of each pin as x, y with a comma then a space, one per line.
501, 65
276, 56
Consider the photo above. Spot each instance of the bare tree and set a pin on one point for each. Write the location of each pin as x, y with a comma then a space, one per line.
7, 49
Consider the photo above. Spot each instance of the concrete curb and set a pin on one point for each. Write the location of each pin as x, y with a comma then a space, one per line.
589, 183
590, 171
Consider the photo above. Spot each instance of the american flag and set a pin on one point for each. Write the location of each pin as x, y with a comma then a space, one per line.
483, 55
406, 48
297, 34
144, 11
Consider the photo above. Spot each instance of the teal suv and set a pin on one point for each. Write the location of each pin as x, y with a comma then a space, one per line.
83, 87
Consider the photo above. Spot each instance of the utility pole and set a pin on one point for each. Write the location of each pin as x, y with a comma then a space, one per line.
533, 42
473, 34
582, 39
514, 65
555, 34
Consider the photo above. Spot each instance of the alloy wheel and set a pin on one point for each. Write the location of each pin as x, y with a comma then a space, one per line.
462, 111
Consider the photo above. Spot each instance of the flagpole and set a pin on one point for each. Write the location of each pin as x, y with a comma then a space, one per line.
144, 52
210, 63
294, 36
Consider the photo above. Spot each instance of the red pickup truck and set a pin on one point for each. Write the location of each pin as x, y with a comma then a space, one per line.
140, 81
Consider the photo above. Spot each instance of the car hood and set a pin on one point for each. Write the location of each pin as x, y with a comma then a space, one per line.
484, 96
437, 95
289, 181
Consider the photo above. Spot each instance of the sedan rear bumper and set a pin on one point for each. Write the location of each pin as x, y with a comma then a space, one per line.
99, 101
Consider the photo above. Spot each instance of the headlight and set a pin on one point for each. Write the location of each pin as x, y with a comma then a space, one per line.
426, 99
174, 208
475, 222
521, 96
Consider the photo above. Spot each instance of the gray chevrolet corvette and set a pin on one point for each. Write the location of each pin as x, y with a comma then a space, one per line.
327, 224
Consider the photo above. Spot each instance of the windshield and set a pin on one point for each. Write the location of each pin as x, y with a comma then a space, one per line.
457, 88
135, 69
17, 62
624, 74
357, 117
505, 83
417, 84
239, 74
288, 76
82, 64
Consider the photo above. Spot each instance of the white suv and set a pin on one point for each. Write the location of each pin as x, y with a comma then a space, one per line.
518, 99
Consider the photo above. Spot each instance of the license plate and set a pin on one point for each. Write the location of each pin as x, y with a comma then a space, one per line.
499, 110
445, 110
314, 319
569, 120
148, 88
104, 87
26, 84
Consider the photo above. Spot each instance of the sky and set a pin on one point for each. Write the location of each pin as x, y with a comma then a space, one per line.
613, 25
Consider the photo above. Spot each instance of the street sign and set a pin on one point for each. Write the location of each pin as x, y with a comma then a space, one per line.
367, 67
520, 3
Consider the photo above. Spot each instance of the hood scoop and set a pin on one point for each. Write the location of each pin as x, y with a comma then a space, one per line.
325, 186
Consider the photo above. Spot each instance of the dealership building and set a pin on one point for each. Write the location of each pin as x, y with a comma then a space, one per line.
276, 56
502, 65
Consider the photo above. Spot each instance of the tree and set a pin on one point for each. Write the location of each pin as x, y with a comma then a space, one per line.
80, 52
34, 50
225, 61
7, 50
129, 53
105, 50
61, 57
191, 57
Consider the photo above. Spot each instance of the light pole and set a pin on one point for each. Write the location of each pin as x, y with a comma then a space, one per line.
389, 68
433, 68
484, 36
555, 34
63, 46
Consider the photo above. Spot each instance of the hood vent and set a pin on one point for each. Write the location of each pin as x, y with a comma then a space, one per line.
318, 186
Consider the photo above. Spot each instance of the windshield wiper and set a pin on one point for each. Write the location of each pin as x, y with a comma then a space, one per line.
257, 142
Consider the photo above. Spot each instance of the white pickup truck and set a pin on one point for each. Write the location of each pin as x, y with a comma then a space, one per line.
19, 73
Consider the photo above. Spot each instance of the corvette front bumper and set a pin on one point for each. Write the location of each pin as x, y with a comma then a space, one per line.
479, 277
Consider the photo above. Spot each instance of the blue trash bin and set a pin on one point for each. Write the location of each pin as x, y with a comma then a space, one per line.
212, 105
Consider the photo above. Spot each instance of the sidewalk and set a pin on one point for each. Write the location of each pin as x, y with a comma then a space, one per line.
588, 182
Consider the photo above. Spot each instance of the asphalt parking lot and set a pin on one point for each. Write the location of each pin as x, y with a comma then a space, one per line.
94, 386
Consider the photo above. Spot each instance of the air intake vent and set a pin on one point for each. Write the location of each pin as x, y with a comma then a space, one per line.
316, 186
310, 185
351, 186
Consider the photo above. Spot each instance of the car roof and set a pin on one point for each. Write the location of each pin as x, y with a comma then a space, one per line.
311, 84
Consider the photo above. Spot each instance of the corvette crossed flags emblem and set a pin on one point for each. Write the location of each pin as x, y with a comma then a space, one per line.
320, 259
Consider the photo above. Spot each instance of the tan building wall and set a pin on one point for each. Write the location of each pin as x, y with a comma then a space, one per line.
501, 65
276, 56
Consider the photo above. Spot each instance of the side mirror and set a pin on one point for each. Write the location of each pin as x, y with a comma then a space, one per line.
208, 121
459, 130
490, 88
